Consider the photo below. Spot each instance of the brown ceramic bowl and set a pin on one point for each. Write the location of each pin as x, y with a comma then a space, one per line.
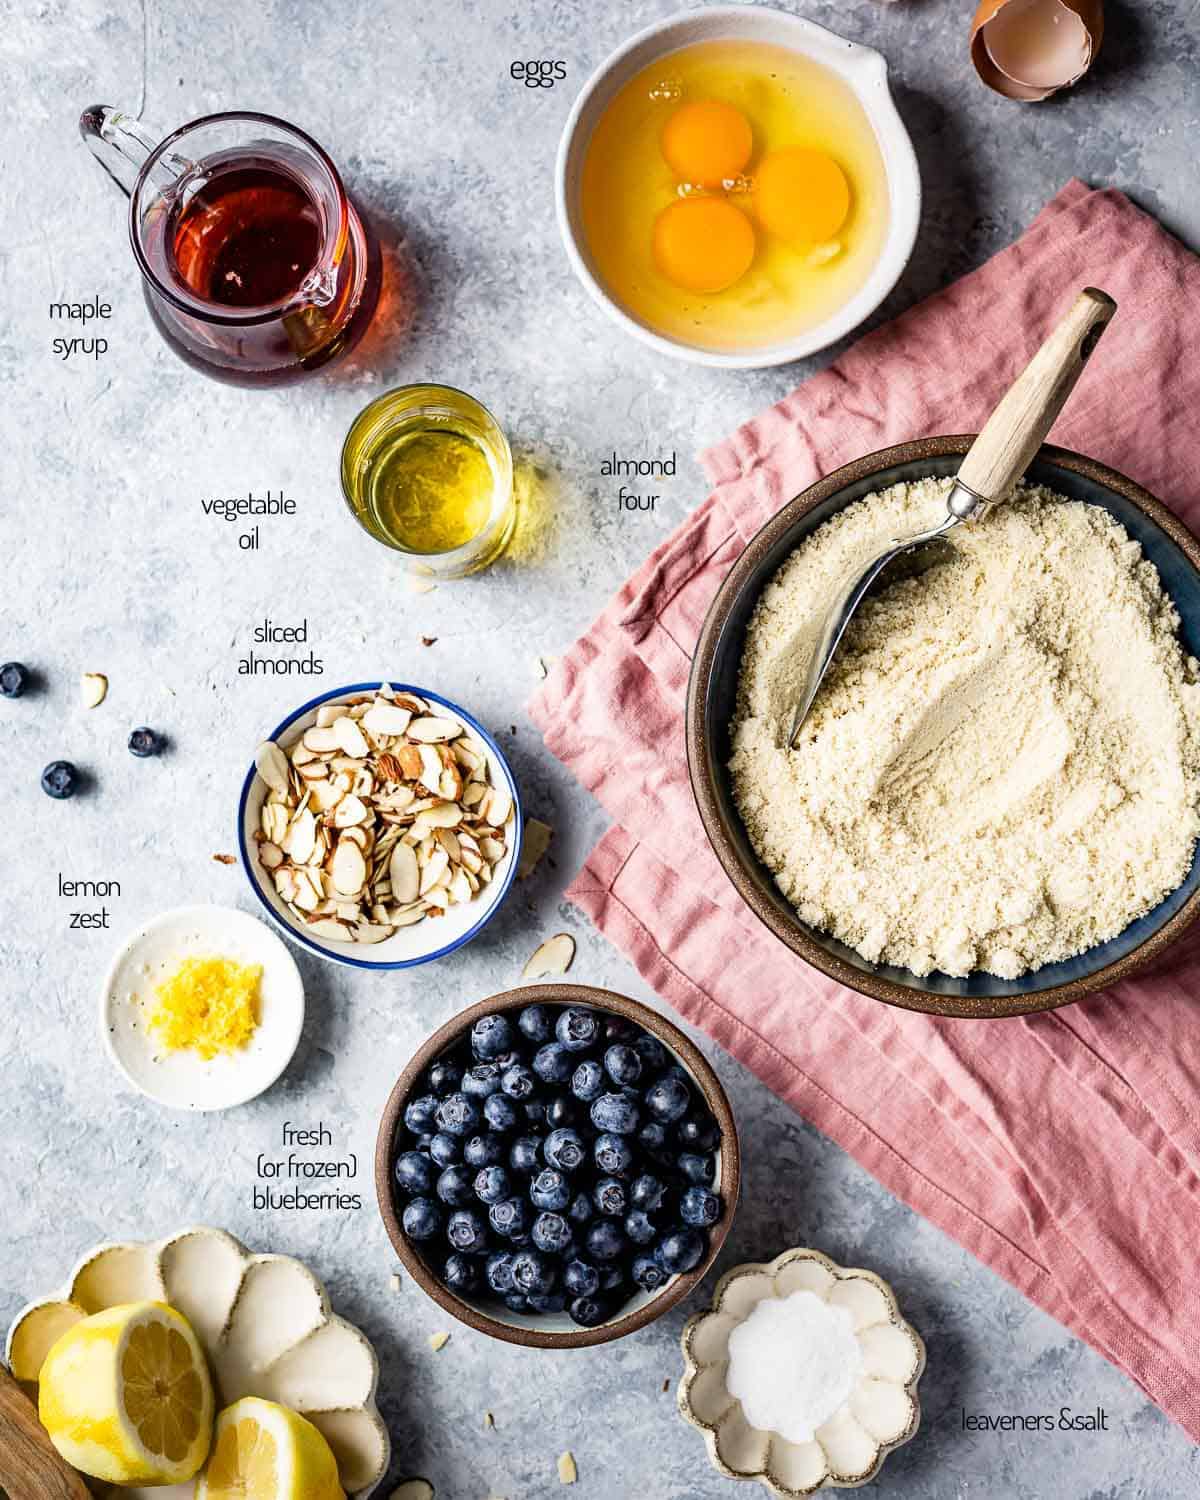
550, 1330
712, 694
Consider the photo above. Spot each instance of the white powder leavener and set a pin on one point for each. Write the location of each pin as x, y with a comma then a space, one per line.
1003, 767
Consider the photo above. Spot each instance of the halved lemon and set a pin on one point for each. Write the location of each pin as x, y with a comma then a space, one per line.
266, 1452
125, 1396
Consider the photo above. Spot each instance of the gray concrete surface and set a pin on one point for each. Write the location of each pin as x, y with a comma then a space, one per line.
110, 565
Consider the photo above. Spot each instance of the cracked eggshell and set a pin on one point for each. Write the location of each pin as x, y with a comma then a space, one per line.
882, 1413
1029, 49
264, 1322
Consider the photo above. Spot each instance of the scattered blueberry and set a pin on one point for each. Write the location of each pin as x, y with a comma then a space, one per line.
483, 1151
564, 1150
610, 1197
614, 1154
419, 1114
457, 1115
587, 1081
639, 1227
536, 1022
697, 1169
623, 1065
481, 1081
60, 780
461, 1274
682, 1251
700, 1208
444, 1149
466, 1231
501, 1113
580, 1278
552, 1063
526, 1154
589, 1312
414, 1175
422, 1219
550, 1191
492, 1184
668, 1099
144, 742
455, 1187
649, 1273
617, 1113
491, 1036
577, 1029
518, 1081
509, 1217
551, 1233
498, 1269
604, 1240
14, 679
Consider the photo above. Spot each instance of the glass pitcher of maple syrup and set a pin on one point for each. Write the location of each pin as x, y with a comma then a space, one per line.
257, 269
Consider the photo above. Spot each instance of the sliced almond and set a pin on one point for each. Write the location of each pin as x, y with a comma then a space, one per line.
349, 737
431, 769
442, 815
313, 770
349, 868
493, 848
369, 932
272, 765
568, 1472
328, 714
93, 689
350, 811
438, 1341
270, 855
301, 837
285, 884
404, 873
358, 835
411, 764
331, 930
431, 875
325, 795
386, 718
407, 918
321, 739
553, 957
432, 731
460, 888
499, 806
534, 844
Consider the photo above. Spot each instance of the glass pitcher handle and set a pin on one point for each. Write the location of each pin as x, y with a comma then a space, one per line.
122, 146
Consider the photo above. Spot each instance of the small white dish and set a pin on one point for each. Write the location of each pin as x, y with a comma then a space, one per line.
881, 1414
264, 1322
862, 68
409, 946
184, 1080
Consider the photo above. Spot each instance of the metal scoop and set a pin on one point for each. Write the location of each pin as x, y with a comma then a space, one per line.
995, 461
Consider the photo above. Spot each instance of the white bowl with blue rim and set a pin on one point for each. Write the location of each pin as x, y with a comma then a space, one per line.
435, 937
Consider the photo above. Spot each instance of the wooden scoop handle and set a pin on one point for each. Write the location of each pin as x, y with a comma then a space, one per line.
1015, 430
31, 1468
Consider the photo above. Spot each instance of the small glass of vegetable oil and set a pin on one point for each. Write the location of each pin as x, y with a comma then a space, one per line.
426, 469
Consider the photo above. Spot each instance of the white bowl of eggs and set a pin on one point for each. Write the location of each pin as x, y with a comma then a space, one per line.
736, 188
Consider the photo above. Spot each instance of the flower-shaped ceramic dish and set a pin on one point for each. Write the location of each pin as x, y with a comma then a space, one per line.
882, 1413
408, 946
265, 1323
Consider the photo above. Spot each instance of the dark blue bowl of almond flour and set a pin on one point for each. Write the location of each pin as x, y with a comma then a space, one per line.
712, 697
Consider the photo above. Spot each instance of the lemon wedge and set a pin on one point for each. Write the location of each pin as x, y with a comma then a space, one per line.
126, 1397
266, 1452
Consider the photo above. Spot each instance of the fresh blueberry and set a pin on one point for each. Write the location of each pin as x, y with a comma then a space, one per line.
581, 1278
518, 1081
618, 1029
422, 1219
498, 1271
613, 1154
617, 1113
612, 1277
444, 1078
481, 1080
577, 1029
668, 1099
652, 1138
564, 1150
587, 1081
516, 1302
144, 742
457, 1115
501, 1113
461, 1274
649, 1273
561, 1110
60, 780
419, 1114
423, 1142
414, 1173
623, 1065
445, 1149
610, 1197
604, 1240
491, 1037
647, 1192
698, 1133
589, 1312
536, 1022
653, 1054
639, 1227
552, 1063
696, 1168
492, 1184
454, 1186
535, 1111
547, 1302
466, 1231
549, 1191
484, 1151
14, 679
533, 1272
509, 1217
551, 1233
526, 1154
580, 1210
700, 1208
682, 1251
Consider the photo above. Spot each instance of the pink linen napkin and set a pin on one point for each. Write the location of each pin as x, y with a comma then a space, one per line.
1063, 1150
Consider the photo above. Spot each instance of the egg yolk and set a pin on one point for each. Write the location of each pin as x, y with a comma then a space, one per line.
801, 194
707, 142
703, 244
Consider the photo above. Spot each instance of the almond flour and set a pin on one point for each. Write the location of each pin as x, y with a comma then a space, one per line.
1003, 767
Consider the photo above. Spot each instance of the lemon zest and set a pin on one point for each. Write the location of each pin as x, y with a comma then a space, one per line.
209, 1006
